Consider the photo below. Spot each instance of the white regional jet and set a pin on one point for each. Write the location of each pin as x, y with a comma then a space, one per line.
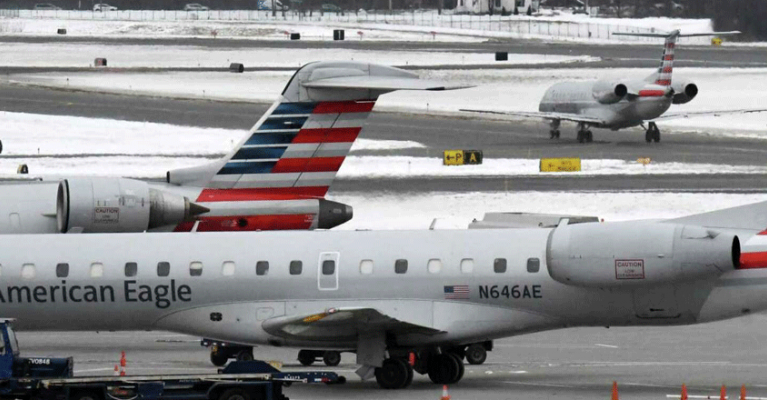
622, 103
276, 178
393, 296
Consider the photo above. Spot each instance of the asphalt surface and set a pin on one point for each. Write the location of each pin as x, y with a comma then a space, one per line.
648, 362
497, 139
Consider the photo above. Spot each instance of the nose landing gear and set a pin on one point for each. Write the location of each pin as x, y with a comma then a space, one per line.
554, 132
584, 135
652, 133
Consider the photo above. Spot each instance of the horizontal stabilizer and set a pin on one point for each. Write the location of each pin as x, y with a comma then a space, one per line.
382, 83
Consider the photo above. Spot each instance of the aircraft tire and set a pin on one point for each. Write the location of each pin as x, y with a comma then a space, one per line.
443, 368
306, 358
656, 135
218, 359
245, 355
648, 136
331, 358
557, 134
456, 372
476, 354
581, 136
589, 137
393, 374
410, 374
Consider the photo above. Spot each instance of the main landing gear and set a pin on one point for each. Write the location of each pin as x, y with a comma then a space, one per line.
442, 368
554, 132
652, 133
584, 135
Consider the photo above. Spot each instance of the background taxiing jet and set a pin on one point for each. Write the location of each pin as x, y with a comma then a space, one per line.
398, 298
622, 103
276, 178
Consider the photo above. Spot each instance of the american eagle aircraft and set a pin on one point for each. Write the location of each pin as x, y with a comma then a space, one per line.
622, 103
276, 178
399, 298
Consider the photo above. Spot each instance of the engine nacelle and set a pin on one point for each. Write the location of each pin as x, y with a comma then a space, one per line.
609, 92
629, 254
684, 91
101, 205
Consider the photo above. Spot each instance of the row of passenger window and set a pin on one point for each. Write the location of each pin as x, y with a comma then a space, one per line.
295, 267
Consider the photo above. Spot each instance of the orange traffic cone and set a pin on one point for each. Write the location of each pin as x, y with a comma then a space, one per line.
445, 395
411, 359
743, 392
117, 370
684, 392
123, 363
615, 391
723, 393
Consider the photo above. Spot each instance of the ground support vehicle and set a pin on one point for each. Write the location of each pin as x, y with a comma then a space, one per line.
46, 378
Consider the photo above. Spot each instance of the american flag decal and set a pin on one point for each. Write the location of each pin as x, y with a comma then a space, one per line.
457, 292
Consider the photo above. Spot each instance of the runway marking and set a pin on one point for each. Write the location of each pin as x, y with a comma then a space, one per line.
609, 346
80, 371
517, 372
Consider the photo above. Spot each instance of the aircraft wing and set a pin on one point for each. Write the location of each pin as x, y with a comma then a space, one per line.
340, 323
380, 83
542, 115
714, 113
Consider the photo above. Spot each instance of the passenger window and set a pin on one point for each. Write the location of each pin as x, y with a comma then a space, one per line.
533, 265
296, 267
400, 266
131, 269
499, 266
163, 268
328, 267
434, 266
467, 265
62, 270
195, 268
28, 271
97, 270
366, 267
262, 267
227, 268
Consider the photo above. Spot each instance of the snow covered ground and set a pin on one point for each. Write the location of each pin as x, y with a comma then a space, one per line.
457, 210
501, 90
131, 56
418, 26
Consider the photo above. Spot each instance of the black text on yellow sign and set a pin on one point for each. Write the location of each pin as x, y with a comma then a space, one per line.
462, 157
560, 164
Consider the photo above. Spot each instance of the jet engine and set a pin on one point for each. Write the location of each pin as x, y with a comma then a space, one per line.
609, 92
103, 205
684, 91
629, 254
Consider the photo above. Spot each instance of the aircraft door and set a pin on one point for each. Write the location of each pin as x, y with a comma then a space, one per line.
327, 270
656, 302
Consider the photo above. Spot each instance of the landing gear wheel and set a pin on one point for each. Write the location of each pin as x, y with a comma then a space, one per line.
581, 136
218, 359
409, 375
234, 394
460, 368
393, 374
331, 358
444, 368
554, 134
648, 136
589, 137
476, 354
305, 357
245, 355
656, 135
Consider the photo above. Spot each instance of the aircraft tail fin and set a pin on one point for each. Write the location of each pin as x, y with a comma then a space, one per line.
292, 154
663, 76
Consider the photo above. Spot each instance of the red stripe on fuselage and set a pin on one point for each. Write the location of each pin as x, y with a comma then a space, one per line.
242, 223
663, 82
256, 194
333, 107
331, 135
315, 164
651, 93
753, 260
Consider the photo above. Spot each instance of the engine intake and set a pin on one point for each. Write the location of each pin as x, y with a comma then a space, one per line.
627, 254
609, 92
106, 205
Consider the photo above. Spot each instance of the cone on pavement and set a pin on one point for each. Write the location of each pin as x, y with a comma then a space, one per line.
615, 391
743, 392
684, 392
723, 393
123, 363
445, 395
117, 370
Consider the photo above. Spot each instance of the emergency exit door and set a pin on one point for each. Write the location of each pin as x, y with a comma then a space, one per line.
327, 270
